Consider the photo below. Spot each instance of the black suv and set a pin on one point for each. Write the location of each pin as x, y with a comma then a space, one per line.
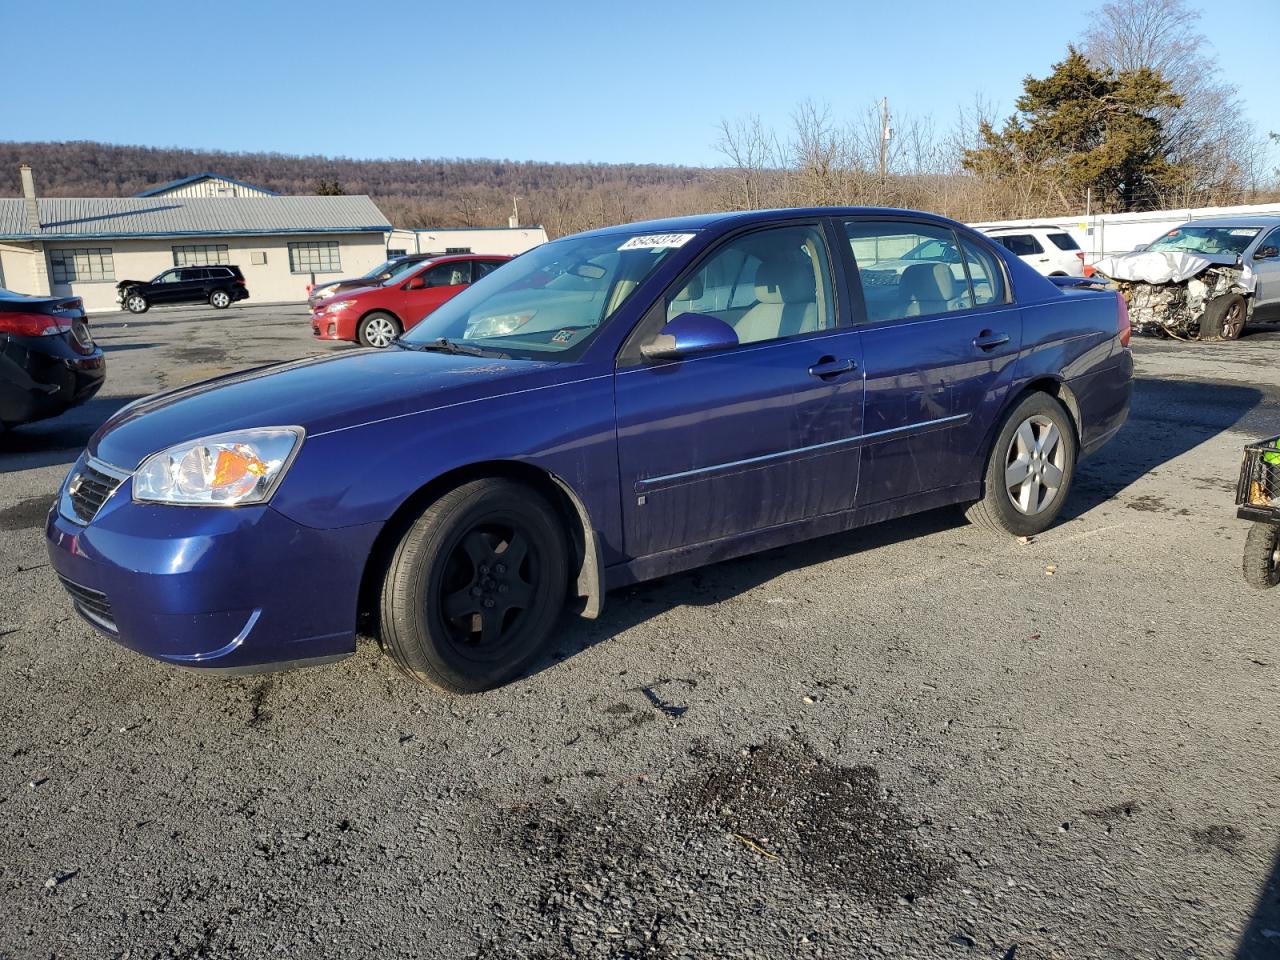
218, 286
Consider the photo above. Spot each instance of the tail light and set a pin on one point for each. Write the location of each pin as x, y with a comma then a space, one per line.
1122, 319
1080, 254
33, 324
240, 281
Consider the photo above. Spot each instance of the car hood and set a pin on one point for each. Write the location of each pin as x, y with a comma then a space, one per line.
131, 283
319, 394
1161, 266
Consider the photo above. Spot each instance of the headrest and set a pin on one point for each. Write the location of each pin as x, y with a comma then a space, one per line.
785, 281
692, 290
927, 281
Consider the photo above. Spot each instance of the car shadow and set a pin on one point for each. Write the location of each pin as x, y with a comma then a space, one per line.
1261, 937
57, 440
1169, 417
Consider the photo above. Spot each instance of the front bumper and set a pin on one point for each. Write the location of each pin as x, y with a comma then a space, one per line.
233, 588
325, 327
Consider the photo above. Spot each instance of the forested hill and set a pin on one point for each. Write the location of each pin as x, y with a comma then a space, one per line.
437, 192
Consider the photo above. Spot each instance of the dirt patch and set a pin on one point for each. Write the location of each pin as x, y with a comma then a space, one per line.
26, 514
1218, 836
1146, 504
646, 871
828, 823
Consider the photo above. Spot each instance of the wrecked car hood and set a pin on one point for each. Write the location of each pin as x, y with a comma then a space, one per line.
1159, 266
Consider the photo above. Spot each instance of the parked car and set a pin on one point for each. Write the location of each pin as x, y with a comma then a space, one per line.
607, 408
379, 274
218, 286
1049, 249
374, 316
1206, 279
48, 360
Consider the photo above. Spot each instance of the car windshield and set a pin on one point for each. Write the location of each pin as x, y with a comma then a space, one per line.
1214, 240
551, 299
393, 274
379, 270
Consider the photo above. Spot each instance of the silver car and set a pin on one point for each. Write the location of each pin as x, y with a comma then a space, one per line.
1206, 279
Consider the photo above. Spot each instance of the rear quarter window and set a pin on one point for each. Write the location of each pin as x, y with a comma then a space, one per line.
1020, 244
1063, 241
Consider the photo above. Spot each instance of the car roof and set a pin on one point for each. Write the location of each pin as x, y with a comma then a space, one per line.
704, 221
1258, 221
1024, 228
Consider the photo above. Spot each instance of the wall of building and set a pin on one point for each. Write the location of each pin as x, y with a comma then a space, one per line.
214, 187
504, 240
270, 281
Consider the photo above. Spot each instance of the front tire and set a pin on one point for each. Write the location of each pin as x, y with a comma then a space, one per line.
136, 303
1262, 556
378, 329
475, 587
220, 299
1030, 468
1224, 317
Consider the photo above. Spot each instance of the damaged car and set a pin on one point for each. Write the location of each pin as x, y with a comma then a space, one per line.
1203, 280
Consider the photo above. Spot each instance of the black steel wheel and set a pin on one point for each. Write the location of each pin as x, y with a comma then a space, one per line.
476, 586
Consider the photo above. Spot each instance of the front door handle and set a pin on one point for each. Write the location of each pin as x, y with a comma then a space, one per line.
987, 340
829, 367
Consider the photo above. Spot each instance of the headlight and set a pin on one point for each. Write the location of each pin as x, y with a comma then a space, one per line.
499, 325
225, 470
340, 305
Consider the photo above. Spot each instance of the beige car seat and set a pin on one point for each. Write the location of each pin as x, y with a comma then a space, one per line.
926, 288
786, 302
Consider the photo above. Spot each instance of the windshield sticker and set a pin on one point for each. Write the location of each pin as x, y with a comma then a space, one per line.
564, 336
657, 241
1243, 232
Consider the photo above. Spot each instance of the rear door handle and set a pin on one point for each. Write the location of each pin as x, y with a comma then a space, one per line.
830, 367
987, 340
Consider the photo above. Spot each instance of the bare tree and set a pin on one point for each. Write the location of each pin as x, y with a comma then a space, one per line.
749, 181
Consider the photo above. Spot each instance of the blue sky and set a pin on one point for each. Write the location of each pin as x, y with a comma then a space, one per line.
644, 82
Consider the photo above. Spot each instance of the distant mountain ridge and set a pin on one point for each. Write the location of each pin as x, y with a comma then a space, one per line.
430, 192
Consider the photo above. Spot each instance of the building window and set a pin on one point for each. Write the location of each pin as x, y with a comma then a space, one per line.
82, 263
200, 255
316, 256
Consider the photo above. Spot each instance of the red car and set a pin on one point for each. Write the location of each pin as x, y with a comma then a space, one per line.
374, 316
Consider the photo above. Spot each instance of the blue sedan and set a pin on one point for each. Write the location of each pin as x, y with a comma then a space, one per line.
607, 408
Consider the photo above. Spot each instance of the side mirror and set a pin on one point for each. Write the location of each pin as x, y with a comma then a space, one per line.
688, 334
415, 283
1266, 253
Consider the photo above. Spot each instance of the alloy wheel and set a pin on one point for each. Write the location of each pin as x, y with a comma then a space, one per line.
221, 300
1233, 322
1034, 465
379, 331
136, 304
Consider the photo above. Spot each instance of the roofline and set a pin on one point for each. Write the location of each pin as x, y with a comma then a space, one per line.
532, 226
200, 176
190, 233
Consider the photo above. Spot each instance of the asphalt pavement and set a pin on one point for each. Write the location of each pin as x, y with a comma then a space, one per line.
906, 741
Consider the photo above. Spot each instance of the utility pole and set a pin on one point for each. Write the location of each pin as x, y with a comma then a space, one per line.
885, 134
514, 220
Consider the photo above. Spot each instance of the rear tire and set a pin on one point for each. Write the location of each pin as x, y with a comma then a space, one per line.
1262, 556
136, 303
220, 299
1029, 470
378, 329
476, 586
1224, 318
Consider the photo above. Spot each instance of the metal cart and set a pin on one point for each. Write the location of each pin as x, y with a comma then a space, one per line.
1258, 499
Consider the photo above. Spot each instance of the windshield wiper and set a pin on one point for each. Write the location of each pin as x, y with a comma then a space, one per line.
445, 345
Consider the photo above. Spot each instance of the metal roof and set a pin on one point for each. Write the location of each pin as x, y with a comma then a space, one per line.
85, 218
183, 181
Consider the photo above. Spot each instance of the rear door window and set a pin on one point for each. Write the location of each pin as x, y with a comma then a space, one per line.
1021, 244
482, 268
984, 273
1064, 241
453, 274
908, 269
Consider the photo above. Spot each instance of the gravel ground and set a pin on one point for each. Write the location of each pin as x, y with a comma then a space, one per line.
908, 741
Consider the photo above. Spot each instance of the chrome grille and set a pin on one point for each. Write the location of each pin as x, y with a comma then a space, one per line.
90, 485
93, 605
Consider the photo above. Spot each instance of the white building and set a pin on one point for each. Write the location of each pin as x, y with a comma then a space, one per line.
504, 240
84, 246
207, 185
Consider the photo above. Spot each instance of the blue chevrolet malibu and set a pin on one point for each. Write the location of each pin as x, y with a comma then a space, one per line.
607, 408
